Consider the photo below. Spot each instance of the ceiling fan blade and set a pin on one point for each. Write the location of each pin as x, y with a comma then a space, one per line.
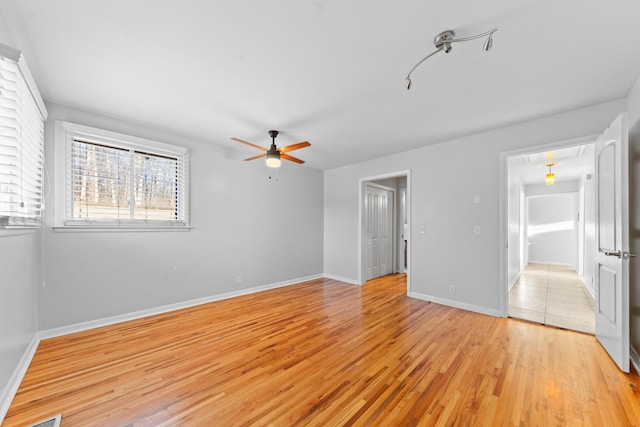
290, 158
294, 147
250, 144
255, 157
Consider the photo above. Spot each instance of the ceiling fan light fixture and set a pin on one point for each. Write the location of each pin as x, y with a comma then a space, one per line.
273, 160
274, 155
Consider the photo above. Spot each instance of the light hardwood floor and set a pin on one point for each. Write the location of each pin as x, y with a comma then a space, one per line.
325, 353
553, 295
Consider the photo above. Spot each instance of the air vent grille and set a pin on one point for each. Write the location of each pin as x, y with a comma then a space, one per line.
49, 422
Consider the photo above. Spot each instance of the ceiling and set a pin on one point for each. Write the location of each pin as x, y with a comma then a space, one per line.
330, 72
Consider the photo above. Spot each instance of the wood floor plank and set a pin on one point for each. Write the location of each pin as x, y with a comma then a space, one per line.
325, 353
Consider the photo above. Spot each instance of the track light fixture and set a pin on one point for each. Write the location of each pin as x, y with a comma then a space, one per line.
444, 41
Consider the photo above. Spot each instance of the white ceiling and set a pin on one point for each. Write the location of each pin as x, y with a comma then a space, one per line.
330, 72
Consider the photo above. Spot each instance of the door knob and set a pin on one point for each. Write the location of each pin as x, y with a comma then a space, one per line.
623, 254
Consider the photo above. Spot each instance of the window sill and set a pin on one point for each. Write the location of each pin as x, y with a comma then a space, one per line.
114, 229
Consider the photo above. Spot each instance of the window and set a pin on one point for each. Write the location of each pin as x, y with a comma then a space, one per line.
22, 116
114, 180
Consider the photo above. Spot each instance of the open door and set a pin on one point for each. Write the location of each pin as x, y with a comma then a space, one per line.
612, 241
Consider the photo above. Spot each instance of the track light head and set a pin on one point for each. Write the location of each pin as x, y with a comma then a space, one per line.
488, 44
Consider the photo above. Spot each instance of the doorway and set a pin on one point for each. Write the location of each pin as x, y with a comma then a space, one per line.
384, 226
550, 242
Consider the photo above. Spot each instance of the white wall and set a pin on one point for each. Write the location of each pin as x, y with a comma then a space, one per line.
244, 224
444, 178
552, 233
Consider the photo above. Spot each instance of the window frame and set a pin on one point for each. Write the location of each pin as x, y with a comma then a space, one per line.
66, 133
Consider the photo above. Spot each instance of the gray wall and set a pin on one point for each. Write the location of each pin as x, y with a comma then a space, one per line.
244, 224
444, 178
18, 284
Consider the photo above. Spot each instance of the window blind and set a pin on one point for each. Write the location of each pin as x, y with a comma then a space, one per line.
22, 115
119, 184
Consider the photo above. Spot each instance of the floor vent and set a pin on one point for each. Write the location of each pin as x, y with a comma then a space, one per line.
49, 422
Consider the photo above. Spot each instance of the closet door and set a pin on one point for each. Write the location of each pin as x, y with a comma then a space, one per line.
378, 208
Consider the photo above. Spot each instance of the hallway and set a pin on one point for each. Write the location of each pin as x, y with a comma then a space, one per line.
553, 295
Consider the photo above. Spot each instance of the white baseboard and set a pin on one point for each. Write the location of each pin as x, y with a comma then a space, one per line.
7, 395
561, 264
514, 281
106, 321
457, 304
341, 279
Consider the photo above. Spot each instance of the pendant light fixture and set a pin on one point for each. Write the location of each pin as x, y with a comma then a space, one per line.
551, 177
445, 39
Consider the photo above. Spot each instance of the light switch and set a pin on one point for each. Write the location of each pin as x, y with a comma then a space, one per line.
476, 230
476, 199
422, 229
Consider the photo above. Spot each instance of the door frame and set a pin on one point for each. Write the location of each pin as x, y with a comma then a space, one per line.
503, 201
361, 194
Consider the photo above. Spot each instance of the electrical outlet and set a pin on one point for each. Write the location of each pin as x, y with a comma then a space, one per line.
239, 280
452, 289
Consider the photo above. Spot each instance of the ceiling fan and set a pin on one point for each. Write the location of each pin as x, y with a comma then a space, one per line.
274, 154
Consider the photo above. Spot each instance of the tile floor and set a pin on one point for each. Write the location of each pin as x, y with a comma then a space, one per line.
552, 295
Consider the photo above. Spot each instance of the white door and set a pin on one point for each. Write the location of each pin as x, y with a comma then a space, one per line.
612, 241
378, 208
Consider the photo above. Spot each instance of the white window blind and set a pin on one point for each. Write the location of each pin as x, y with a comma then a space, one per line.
22, 116
123, 182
